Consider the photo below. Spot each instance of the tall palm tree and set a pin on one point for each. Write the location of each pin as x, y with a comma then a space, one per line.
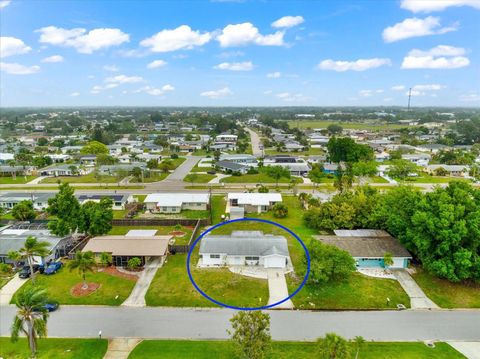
83, 262
31, 317
358, 343
32, 247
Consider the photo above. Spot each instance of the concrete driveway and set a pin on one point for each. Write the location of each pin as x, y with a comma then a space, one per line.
9, 289
137, 297
470, 349
418, 299
277, 288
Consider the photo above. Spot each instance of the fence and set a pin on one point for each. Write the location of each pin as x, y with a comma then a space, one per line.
178, 248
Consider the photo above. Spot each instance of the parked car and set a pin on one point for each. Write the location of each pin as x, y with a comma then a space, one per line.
25, 272
212, 172
53, 268
50, 306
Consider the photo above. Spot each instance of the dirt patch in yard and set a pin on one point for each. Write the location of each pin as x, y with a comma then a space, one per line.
114, 271
177, 233
79, 291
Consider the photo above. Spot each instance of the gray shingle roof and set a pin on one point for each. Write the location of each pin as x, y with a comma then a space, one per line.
245, 243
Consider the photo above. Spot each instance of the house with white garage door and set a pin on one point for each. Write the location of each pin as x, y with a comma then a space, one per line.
244, 248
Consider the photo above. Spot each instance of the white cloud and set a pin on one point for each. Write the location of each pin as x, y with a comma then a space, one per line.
98, 88
470, 97
358, 65
74, 94
111, 68
83, 41
246, 34
183, 37
397, 88
12, 46
439, 57
425, 89
436, 5
235, 66
229, 54
267, 92
288, 21
53, 59
18, 69
123, 79
292, 97
274, 75
155, 91
4, 3
156, 64
415, 27
216, 94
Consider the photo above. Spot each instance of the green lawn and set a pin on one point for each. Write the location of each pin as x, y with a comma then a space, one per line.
17, 180
171, 286
447, 294
258, 178
201, 169
55, 348
219, 203
140, 197
425, 178
173, 349
359, 292
4, 279
59, 285
373, 125
177, 161
120, 214
90, 178
153, 177
198, 178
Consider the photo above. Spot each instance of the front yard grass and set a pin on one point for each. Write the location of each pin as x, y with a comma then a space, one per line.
4, 279
172, 287
152, 177
90, 178
55, 348
172, 349
58, 287
177, 161
161, 230
218, 204
358, 292
198, 178
17, 180
447, 294
119, 214
258, 178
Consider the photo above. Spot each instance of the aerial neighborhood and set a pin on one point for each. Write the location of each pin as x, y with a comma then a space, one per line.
106, 207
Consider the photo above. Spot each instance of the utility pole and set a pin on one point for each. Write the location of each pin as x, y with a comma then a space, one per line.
409, 98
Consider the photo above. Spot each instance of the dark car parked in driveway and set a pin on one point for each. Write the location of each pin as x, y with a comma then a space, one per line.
53, 268
25, 272
50, 306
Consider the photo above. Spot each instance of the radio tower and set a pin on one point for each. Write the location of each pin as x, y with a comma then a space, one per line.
409, 98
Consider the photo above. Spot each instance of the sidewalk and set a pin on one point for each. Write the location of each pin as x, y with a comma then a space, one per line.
120, 348
9, 289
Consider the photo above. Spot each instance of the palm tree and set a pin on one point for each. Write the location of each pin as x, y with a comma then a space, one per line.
83, 262
32, 247
387, 259
358, 343
333, 346
15, 257
31, 317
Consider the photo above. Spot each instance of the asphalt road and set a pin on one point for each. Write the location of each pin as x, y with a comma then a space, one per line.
184, 169
255, 139
183, 323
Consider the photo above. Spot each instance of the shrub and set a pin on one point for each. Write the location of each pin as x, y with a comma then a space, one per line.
134, 263
280, 210
5, 268
173, 156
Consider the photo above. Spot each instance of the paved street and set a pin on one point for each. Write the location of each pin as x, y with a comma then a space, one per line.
255, 139
176, 323
184, 169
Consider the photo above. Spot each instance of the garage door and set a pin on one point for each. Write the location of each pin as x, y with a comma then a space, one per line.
274, 262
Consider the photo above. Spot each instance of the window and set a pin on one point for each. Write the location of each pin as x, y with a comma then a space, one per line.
215, 256
164, 209
252, 258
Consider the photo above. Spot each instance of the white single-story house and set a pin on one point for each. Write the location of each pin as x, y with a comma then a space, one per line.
176, 202
253, 202
5, 157
368, 247
227, 166
119, 200
40, 199
65, 169
226, 138
244, 159
122, 248
420, 159
250, 248
297, 166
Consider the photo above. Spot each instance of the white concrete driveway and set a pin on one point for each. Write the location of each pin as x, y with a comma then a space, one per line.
418, 299
9, 289
277, 288
137, 297
218, 177
471, 350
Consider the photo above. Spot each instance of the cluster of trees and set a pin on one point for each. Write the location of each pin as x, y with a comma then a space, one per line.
90, 218
455, 157
440, 228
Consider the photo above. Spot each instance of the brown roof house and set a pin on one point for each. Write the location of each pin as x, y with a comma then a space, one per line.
368, 247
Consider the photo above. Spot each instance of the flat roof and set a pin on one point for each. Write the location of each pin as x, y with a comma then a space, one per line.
141, 233
129, 246
176, 199
259, 199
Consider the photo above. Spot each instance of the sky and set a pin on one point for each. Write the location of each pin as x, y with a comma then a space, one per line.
239, 53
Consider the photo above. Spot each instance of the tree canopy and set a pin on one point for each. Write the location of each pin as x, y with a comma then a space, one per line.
94, 148
345, 149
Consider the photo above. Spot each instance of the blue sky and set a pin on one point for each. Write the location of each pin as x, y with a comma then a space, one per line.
239, 53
